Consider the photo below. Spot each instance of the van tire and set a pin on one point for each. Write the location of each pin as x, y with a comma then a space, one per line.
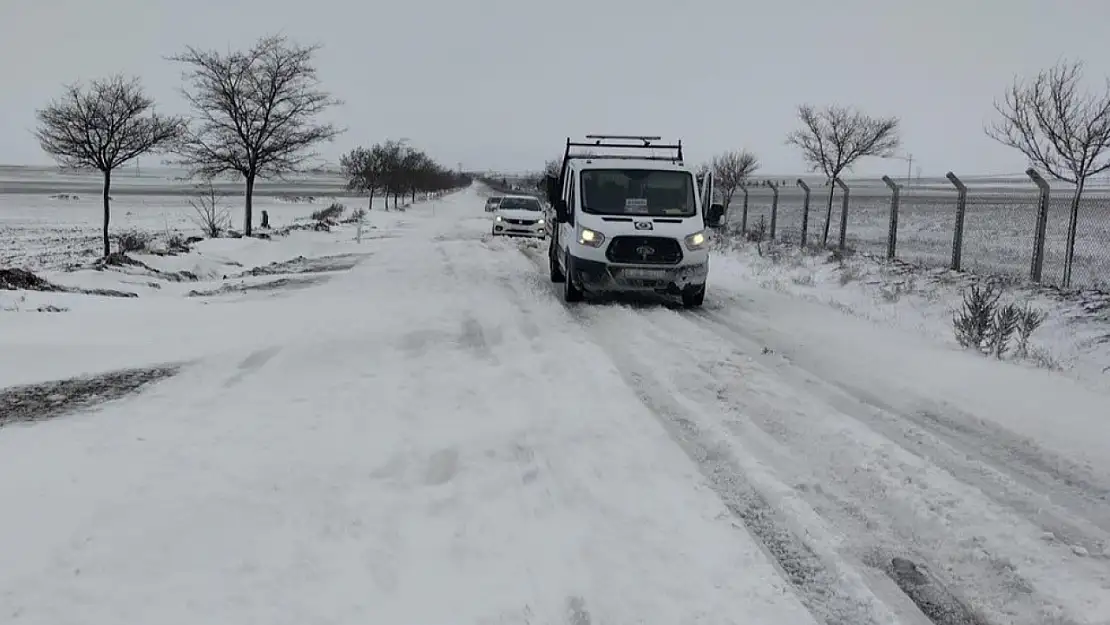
571, 292
556, 272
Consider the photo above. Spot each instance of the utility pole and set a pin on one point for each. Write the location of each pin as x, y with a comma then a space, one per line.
909, 165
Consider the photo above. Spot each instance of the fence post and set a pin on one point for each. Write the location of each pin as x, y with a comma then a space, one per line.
805, 212
892, 234
744, 212
961, 212
774, 206
843, 214
1037, 264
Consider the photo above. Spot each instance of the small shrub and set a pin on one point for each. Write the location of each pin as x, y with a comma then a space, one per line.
849, 273
806, 279
330, 214
133, 241
972, 323
1044, 359
1028, 322
758, 234
210, 216
1003, 326
982, 324
176, 242
356, 216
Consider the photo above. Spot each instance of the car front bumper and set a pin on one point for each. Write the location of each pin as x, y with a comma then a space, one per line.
599, 277
519, 230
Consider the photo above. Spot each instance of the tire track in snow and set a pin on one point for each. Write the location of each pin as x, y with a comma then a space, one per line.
920, 584
978, 571
822, 589
1052, 492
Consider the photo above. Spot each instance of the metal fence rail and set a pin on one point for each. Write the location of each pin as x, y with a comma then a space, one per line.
1017, 228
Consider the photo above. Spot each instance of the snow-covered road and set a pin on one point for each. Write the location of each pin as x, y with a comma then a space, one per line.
433, 437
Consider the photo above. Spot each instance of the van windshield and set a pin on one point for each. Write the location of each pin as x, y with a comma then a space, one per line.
638, 192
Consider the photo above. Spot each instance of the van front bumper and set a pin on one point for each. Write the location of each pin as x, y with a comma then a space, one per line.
600, 277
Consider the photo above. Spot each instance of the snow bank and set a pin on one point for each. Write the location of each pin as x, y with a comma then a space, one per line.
1074, 339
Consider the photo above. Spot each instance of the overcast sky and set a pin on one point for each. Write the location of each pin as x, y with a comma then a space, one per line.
501, 83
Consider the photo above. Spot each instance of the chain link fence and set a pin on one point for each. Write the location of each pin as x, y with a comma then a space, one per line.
994, 229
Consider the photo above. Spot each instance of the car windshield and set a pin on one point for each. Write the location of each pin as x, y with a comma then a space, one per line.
638, 192
520, 203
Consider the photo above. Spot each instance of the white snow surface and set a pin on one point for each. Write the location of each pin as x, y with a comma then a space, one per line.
432, 437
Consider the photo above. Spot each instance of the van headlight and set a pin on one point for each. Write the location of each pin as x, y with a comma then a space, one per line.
697, 240
498, 218
590, 238
539, 223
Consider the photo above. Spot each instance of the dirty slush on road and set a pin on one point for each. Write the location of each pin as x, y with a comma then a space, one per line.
880, 526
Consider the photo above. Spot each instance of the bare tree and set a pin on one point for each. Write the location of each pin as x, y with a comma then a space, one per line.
102, 127
730, 170
1060, 129
212, 218
553, 167
390, 155
363, 169
255, 112
832, 139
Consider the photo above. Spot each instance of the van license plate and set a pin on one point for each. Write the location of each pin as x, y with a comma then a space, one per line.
645, 274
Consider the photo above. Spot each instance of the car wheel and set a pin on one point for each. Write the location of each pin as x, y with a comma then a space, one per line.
693, 298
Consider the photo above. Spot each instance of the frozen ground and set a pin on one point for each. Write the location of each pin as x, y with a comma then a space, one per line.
415, 429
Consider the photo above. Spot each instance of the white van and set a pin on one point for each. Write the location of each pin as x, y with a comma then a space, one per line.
630, 223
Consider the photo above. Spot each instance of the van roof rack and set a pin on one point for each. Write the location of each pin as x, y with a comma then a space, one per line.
622, 142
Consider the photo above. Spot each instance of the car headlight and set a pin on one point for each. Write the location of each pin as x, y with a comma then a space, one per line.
591, 238
697, 240
498, 218
539, 223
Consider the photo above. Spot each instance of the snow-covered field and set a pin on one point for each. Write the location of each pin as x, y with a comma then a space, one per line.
415, 429
999, 227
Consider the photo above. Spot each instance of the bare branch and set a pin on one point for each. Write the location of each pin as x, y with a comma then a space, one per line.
104, 125
1056, 126
210, 217
834, 138
731, 169
254, 111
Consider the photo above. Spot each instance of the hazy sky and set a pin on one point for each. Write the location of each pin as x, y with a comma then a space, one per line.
501, 83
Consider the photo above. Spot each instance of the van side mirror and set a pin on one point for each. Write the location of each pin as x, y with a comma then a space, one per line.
551, 183
715, 215
560, 210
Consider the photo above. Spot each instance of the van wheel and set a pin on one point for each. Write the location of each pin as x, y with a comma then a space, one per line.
571, 293
556, 272
693, 298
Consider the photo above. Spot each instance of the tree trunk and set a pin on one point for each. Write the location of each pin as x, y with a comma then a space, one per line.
414, 195
107, 212
1073, 226
370, 207
828, 213
248, 206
